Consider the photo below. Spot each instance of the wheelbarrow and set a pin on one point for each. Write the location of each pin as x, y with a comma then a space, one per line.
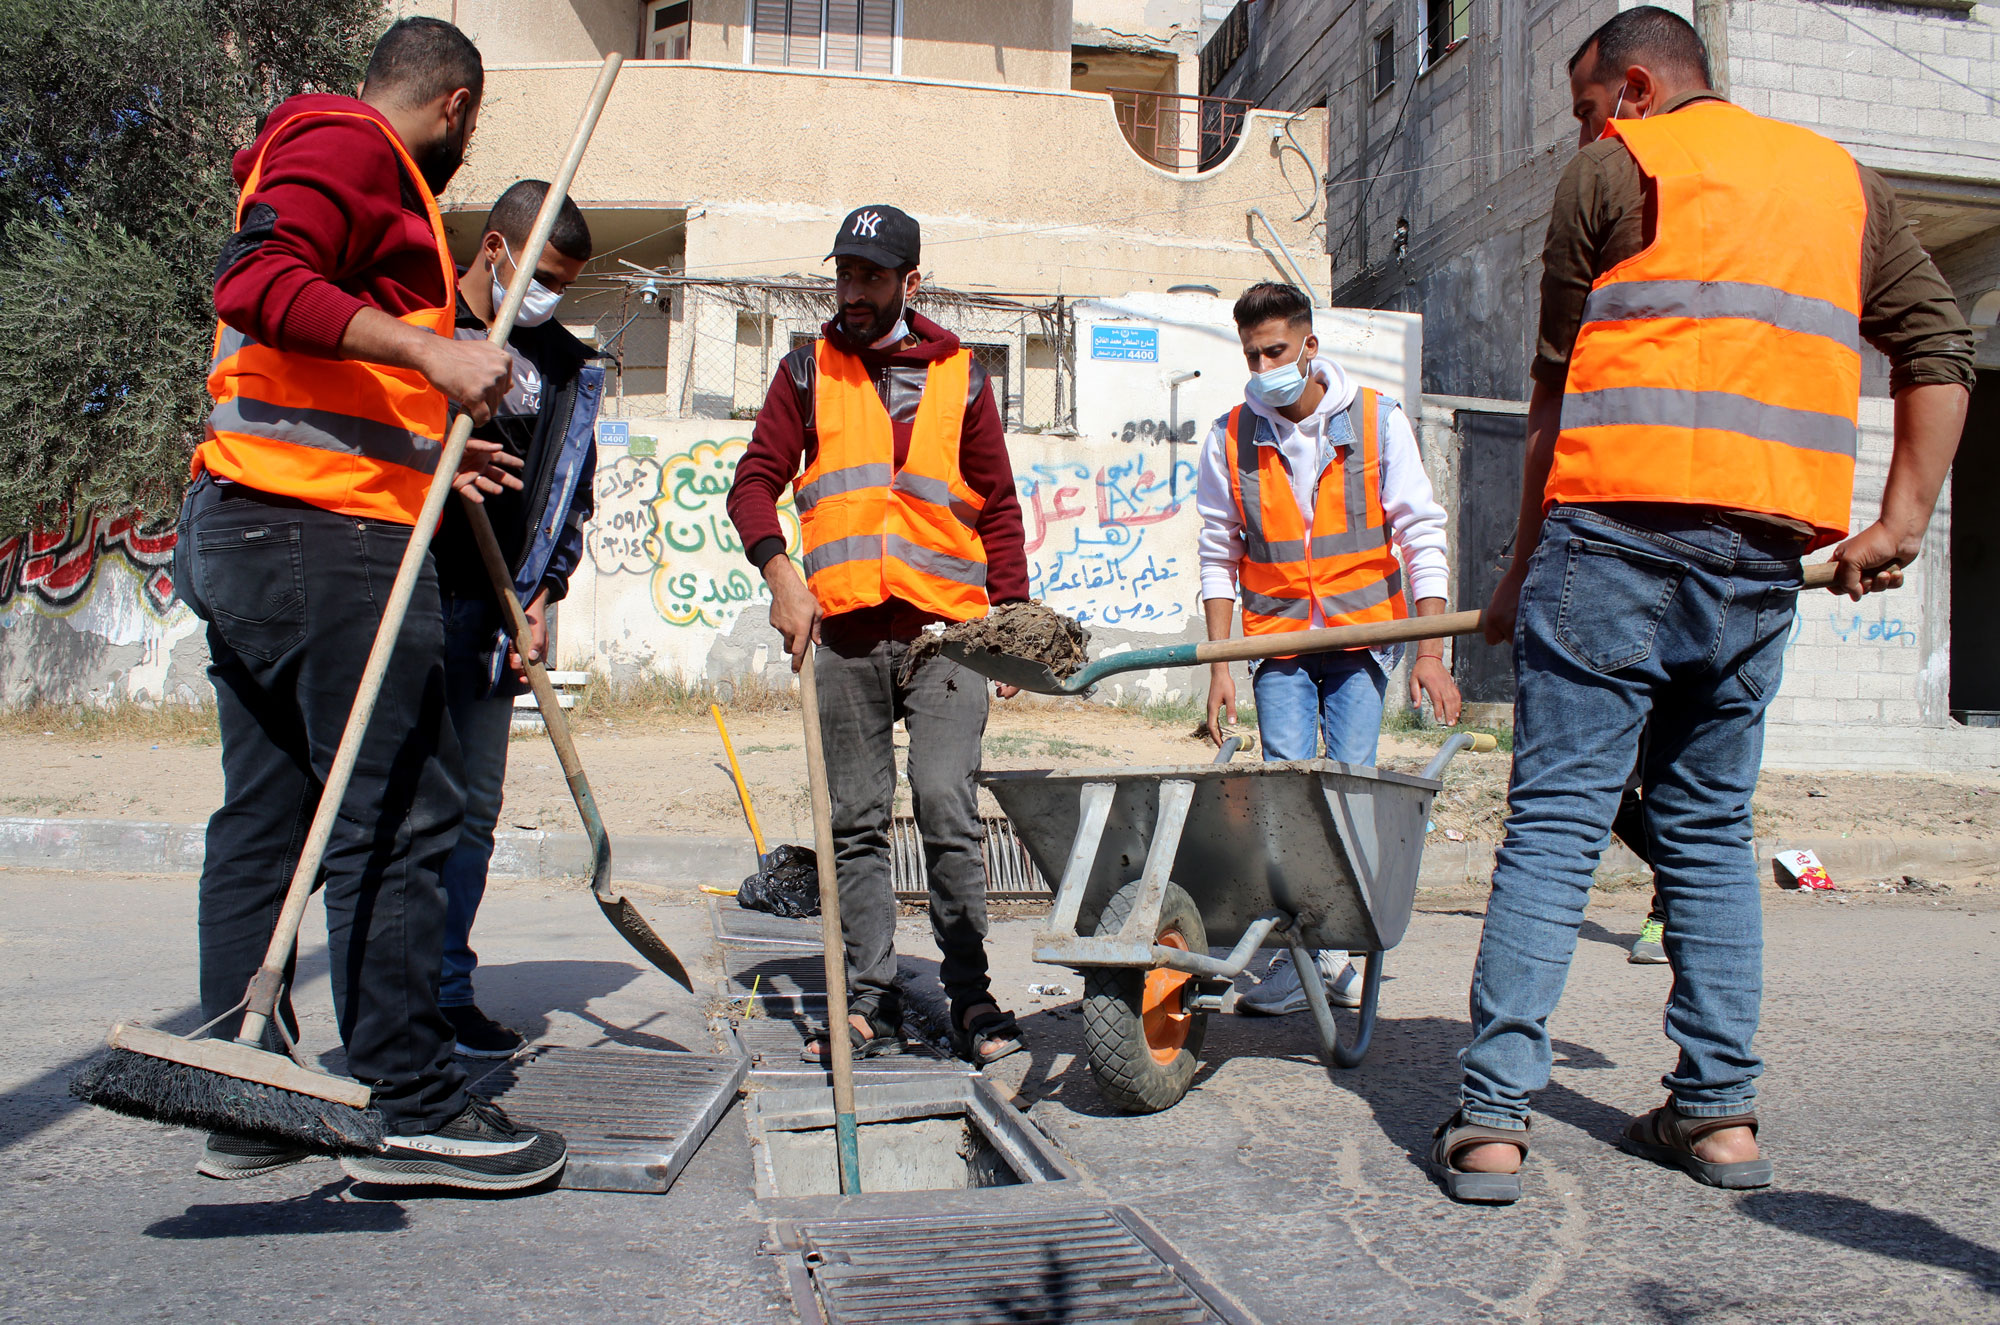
1158, 865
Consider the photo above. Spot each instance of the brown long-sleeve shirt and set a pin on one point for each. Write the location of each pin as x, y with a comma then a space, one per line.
1604, 213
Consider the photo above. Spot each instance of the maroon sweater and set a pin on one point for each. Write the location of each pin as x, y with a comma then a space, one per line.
334, 225
783, 444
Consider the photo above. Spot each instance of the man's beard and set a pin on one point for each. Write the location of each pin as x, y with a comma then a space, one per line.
440, 160
884, 322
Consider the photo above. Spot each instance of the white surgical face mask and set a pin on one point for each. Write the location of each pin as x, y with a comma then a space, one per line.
1280, 386
537, 308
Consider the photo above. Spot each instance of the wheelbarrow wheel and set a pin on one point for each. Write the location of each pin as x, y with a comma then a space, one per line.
1143, 1043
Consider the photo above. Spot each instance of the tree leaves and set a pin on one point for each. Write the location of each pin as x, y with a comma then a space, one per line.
118, 121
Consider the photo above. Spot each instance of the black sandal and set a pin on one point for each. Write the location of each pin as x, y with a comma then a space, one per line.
989, 1027
884, 1037
1667, 1136
1452, 1138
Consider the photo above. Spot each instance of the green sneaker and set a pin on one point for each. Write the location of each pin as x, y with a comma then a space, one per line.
1647, 949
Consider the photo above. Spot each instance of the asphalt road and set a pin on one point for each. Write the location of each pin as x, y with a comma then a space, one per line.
1301, 1196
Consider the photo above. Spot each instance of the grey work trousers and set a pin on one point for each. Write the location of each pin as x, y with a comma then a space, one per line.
944, 707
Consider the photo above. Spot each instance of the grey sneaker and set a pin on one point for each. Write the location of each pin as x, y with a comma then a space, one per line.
229, 1157
1279, 993
1649, 949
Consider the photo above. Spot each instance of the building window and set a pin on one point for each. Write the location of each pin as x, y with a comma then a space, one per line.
1225, 47
851, 36
993, 358
1446, 24
668, 30
1385, 60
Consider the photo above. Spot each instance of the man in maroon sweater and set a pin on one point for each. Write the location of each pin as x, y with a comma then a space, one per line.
870, 595
336, 301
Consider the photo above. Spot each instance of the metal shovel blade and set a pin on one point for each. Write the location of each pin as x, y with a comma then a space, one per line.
625, 918
1009, 669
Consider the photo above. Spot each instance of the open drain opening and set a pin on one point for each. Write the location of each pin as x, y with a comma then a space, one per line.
930, 1134
916, 1155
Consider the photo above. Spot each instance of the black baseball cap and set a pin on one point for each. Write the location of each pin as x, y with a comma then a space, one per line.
886, 236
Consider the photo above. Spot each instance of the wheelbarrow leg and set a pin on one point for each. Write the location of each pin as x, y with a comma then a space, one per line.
1331, 1051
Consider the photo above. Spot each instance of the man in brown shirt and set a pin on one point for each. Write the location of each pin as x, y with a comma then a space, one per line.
1691, 434
1603, 214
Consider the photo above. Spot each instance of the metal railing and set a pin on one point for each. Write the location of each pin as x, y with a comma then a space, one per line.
1179, 133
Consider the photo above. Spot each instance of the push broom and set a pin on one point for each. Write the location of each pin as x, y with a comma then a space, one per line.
239, 1086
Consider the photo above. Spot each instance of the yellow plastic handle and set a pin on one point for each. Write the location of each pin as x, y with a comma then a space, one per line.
1484, 742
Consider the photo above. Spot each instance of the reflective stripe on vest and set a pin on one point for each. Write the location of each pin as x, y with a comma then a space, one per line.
872, 532
357, 438
1721, 366
1345, 567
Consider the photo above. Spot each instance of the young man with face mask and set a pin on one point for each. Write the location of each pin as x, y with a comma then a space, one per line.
334, 371
1304, 490
886, 429
547, 421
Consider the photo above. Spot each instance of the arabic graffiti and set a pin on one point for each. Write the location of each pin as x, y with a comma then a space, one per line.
1088, 541
55, 567
1157, 431
1884, 629
666, 519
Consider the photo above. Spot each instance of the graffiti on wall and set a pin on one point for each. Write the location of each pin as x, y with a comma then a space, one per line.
54, 568
1093, 545
665, 518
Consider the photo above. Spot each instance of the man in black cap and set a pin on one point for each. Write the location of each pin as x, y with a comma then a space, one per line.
886, 429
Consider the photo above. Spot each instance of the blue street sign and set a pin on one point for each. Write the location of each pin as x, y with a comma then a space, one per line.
1131, 344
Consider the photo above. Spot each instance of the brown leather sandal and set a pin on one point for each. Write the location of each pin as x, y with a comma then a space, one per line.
1453, 1137
1667, 1136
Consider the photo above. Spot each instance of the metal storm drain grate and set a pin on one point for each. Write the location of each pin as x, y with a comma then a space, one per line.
738, 928
633, 1117
1093, 1264
1010, 872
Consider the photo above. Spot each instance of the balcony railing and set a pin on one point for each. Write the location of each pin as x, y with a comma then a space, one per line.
1183, 134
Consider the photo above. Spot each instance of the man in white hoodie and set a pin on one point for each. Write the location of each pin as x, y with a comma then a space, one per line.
1303, 490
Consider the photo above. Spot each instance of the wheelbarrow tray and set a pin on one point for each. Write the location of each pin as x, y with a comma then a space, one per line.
1334, 846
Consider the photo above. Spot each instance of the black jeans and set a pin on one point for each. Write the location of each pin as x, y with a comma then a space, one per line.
944, 707
292, 595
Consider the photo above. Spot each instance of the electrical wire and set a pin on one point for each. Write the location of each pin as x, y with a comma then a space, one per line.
1927, 68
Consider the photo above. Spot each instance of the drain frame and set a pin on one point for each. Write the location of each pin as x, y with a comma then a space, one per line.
1032, 1157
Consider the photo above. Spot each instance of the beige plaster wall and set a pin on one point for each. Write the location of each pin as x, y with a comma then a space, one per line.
1019, 43
1019, 191
514, 31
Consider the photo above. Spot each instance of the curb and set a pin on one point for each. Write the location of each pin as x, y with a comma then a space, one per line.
126, 846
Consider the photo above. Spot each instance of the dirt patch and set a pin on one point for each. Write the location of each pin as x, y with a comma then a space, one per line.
1025, 630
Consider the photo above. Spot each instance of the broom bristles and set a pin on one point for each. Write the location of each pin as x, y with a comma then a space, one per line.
158, 1090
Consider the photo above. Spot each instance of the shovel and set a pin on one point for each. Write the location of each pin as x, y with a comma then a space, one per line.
624, 917
1029, 674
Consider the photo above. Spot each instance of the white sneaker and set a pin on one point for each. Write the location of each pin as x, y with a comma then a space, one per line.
1279, 992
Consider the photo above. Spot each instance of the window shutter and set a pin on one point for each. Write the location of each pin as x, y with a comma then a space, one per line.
878, 36
803, 48
773, 21
843, 35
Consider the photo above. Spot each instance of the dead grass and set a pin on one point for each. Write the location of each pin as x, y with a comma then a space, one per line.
644, 700
121, 720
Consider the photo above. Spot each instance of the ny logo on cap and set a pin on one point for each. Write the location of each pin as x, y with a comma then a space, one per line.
865, 223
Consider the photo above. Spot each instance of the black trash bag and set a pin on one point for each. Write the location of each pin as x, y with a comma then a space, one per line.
788, 885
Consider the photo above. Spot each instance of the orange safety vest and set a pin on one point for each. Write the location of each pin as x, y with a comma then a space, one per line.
358, 438
873, 532
1721, 366
1347, 567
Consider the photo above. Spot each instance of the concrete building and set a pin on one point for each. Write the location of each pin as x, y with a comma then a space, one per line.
1448, 124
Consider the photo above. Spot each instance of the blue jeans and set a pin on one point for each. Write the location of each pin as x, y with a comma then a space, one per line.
1339, 694
482, 725
1634, 614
